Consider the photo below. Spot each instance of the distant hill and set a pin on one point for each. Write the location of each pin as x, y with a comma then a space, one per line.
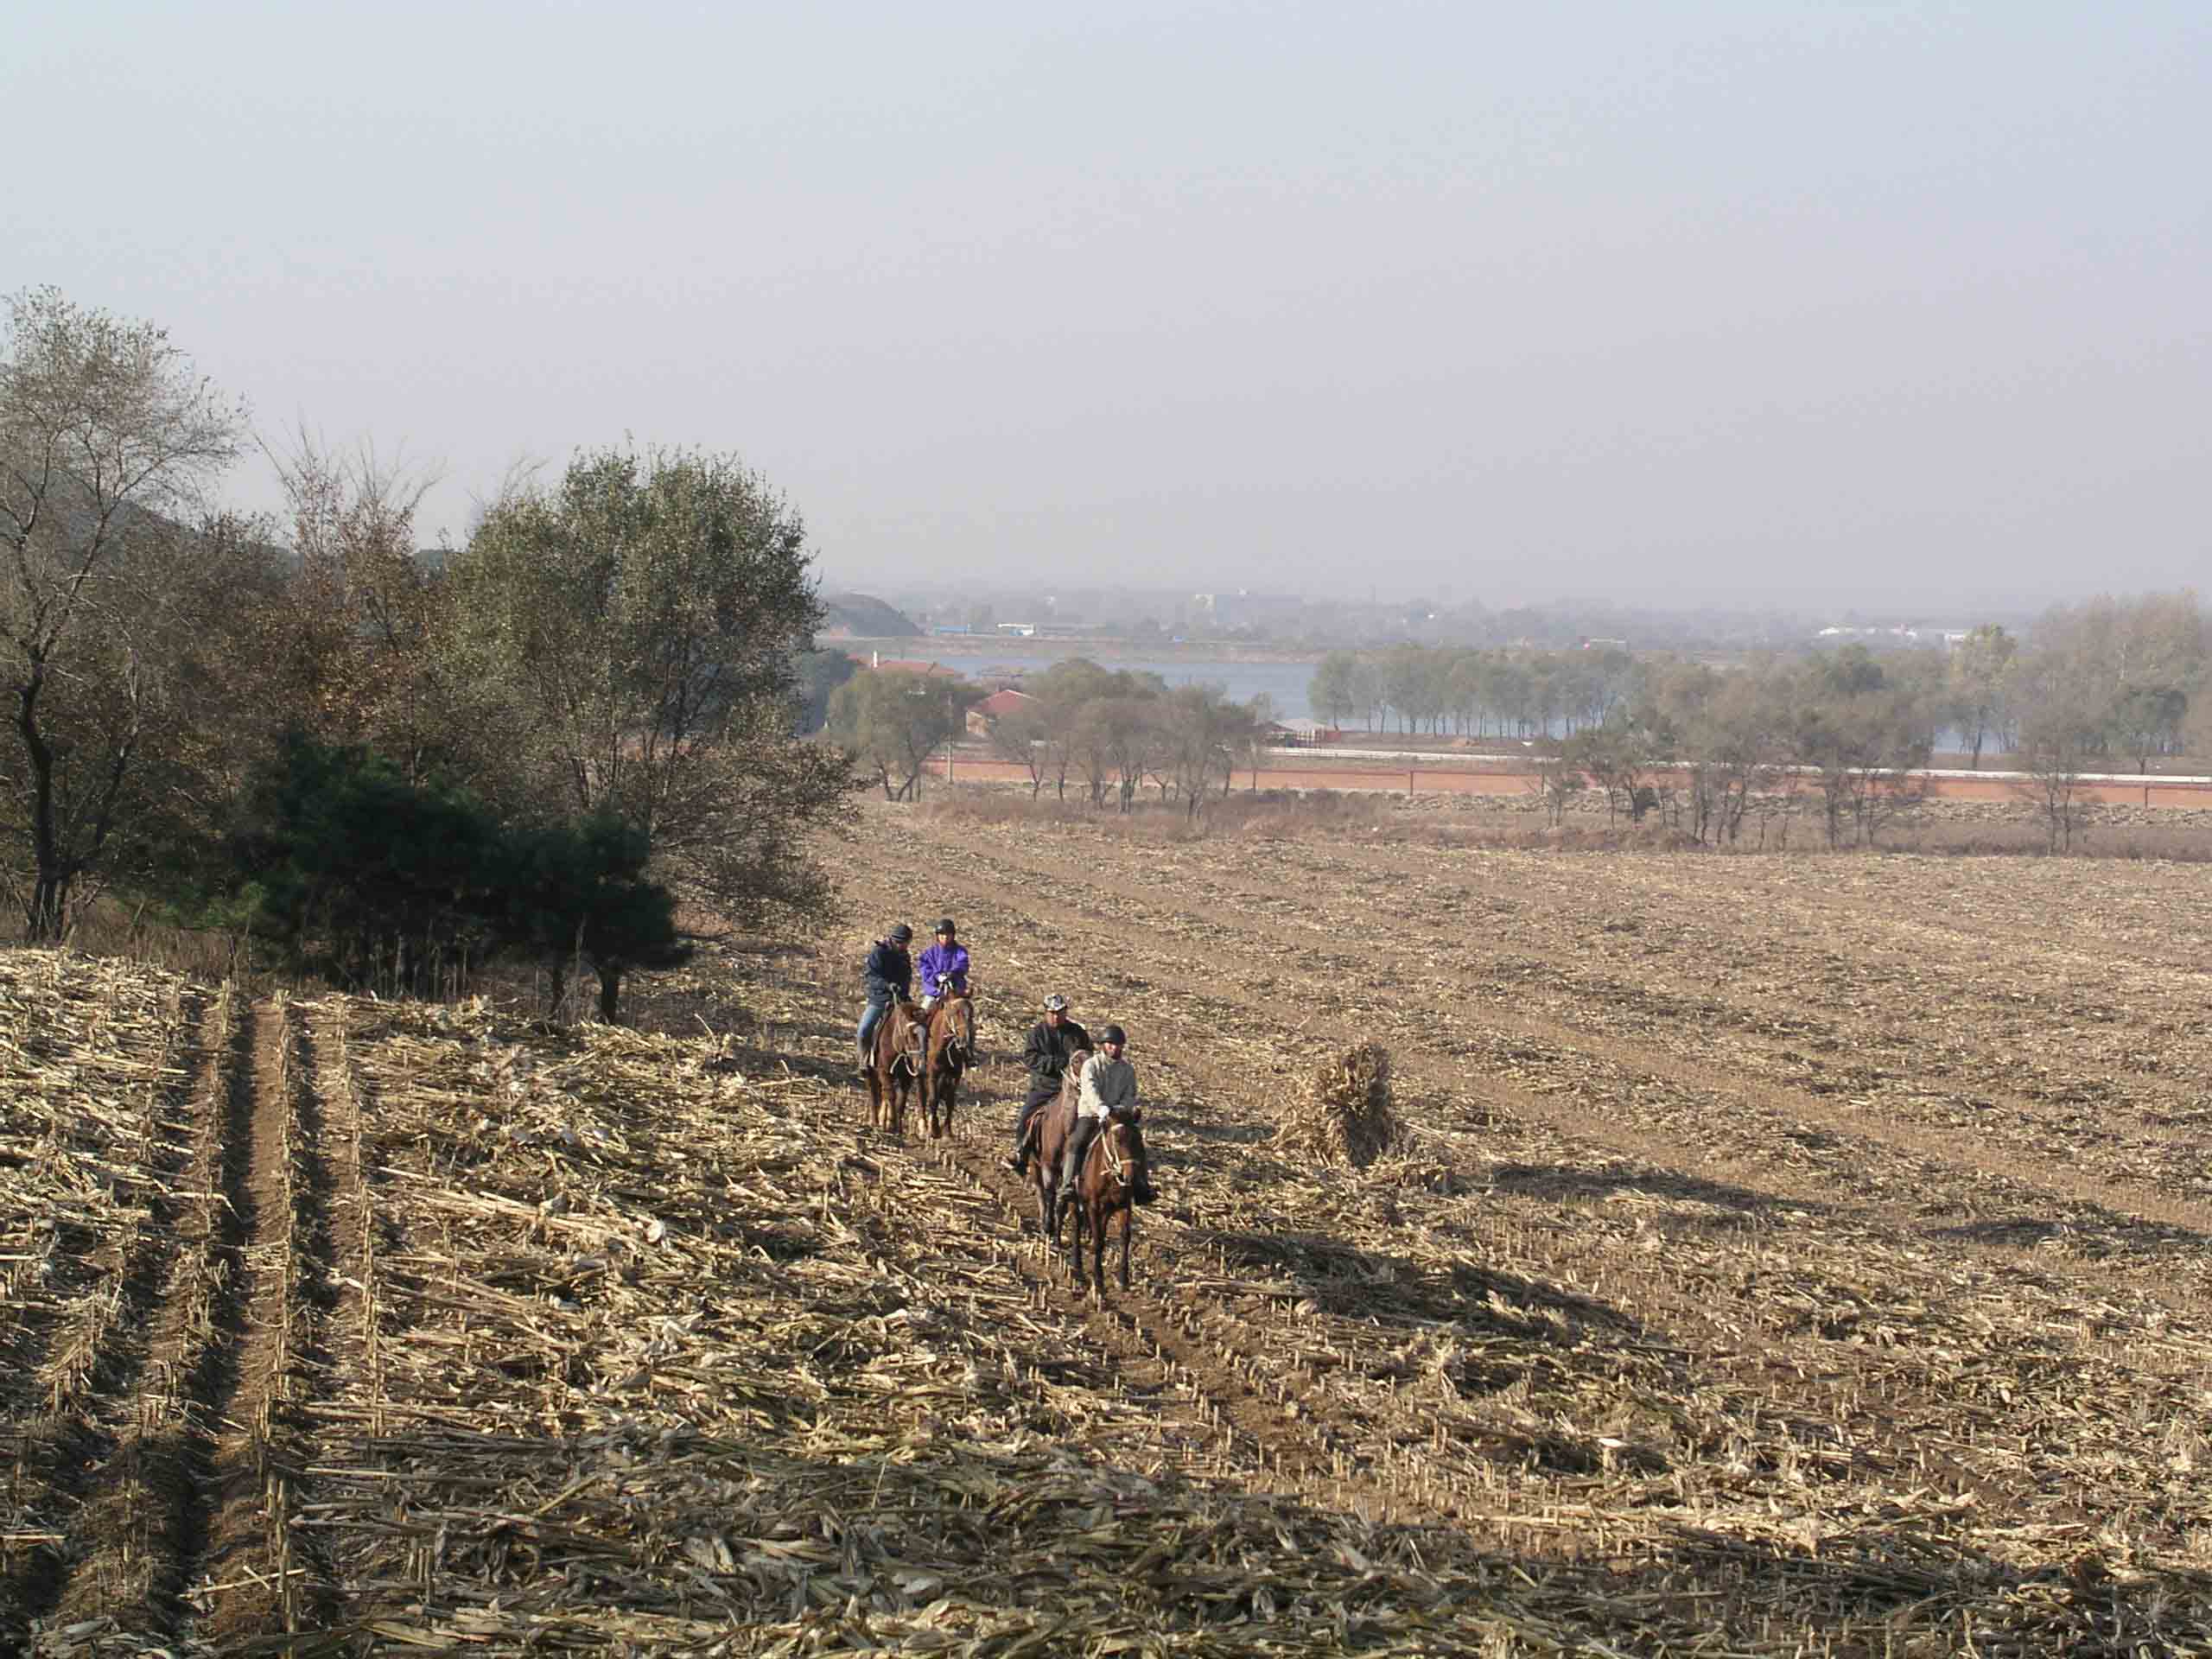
862, 616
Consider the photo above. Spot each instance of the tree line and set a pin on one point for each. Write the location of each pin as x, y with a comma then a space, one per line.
1110, 732
386, 766
2109, 684
2129, 674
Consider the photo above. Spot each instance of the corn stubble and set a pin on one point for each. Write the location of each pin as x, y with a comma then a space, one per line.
597, 1339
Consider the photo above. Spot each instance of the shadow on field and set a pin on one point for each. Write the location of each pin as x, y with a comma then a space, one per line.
1556, 1184
1053, 1540
2019, 1232
1346, 1280
2087, 1230
1221, 1133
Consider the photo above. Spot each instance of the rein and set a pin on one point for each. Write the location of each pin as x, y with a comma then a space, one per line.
1117, 1164
959, 1049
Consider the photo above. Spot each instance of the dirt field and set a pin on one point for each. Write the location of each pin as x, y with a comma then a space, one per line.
1790, 1256
1450, 775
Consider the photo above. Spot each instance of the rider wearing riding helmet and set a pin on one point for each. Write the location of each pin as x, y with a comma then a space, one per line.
1053, 1041
944, 966
1109, 1082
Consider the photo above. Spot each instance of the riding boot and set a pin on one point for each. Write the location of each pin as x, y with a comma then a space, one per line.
1086, 1131
1023, 1127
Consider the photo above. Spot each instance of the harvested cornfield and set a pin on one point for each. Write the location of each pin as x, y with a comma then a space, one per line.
1774, 1259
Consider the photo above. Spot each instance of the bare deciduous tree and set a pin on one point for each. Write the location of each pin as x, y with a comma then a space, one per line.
107, 438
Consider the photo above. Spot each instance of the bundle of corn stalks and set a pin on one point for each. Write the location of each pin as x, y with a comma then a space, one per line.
1344, 1116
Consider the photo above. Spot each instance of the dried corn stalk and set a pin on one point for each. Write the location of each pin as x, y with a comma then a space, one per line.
1344, 1115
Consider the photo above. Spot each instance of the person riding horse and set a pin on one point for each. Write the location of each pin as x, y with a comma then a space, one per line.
1053, 1040
943, 965
1109, 1082
889, 974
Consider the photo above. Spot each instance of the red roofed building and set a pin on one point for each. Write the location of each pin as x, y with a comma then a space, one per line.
995, 708
903, 665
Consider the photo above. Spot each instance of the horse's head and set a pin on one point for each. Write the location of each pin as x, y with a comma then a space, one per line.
1121, 1147
909, 1042
959, 1017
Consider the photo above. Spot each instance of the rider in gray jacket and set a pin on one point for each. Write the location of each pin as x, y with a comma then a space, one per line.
1109, 1082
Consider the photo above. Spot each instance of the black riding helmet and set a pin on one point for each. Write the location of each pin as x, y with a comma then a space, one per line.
945, 925
899, 934
1113, 1034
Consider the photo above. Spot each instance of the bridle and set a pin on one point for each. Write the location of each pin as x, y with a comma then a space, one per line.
960, 1041
1119, 1163
915, 1054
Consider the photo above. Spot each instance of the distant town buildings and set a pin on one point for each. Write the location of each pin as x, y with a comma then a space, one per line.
876, 659
1225, 613
1899, 635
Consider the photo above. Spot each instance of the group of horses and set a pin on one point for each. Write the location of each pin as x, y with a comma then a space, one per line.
925, 1052
920, 1051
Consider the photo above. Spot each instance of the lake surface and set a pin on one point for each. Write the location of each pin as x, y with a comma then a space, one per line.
1283, 684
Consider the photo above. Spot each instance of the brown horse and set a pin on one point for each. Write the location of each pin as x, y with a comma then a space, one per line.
894, 1067
1113, 1171
950, 1052
1049, 1130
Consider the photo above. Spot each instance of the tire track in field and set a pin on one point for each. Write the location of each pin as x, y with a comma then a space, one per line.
172, 1534
249, 1579
1922, 1145
353, 1347
79, 1423
136, 1528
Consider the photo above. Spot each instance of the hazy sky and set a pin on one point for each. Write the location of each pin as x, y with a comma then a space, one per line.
1775, 302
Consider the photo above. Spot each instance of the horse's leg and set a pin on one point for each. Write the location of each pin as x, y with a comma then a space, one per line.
1128, 1216
1098, 1248
1074, 1244
951, 1094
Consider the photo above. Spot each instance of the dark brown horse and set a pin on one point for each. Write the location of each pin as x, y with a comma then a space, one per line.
1049, 1130
894, 1067
950, 1052
1113, 1172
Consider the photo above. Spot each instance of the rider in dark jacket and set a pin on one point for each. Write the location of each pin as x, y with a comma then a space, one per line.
1053, 1041
889, 973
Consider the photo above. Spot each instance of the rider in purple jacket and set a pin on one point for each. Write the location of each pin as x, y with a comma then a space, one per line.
944, 964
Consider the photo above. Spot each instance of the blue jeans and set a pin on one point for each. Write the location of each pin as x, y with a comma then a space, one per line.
871, 1017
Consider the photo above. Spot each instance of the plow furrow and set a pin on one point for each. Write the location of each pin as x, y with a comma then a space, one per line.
79, 1418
